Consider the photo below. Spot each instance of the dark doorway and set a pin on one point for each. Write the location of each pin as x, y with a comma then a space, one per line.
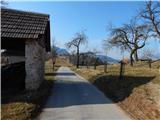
12, 65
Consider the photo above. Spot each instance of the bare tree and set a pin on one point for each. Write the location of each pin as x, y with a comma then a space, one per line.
79, 39
131, 37
151, 15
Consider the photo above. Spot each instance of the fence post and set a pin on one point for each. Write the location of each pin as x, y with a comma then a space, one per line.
53, 62
105, 67
122, 68
95, 66
87, 64
149, 62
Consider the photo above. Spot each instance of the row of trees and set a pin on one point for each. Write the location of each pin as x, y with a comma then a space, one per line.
131, 36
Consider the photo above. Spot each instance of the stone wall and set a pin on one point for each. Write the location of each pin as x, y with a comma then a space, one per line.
34, 63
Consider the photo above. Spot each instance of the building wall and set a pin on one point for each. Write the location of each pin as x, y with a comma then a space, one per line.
34, 64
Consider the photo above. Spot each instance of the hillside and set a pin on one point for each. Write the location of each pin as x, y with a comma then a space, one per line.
102, 58
61, 51
105, 58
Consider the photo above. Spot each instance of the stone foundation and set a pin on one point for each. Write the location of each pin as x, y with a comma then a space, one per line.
34, 64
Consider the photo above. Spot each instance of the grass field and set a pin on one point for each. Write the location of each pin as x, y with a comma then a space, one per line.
26, 105
138, 70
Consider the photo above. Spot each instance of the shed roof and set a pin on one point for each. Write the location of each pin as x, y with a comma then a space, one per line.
20, 24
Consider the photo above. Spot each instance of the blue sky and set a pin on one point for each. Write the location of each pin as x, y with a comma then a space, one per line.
67, 18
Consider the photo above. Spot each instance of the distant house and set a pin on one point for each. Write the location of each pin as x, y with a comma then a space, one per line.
28, 34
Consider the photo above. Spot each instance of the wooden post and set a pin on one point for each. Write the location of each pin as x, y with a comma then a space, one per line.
122, 68
53, 61
105, 67
95, 66
149, 62
87, 64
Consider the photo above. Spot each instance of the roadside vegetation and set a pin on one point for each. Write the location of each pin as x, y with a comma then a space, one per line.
134, 82
24, 105
137, 93
136, 90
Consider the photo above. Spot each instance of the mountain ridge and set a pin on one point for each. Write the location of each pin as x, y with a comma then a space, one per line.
108, 59
103, 58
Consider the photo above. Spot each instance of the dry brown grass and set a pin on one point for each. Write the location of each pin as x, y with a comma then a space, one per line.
139, 69
86, 73
63, 61
140, 85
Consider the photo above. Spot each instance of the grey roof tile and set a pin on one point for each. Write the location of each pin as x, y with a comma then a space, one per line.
20, 24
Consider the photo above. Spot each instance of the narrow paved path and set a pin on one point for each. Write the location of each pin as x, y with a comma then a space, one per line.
73, 98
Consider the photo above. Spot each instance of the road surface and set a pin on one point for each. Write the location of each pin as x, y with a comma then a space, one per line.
73, 98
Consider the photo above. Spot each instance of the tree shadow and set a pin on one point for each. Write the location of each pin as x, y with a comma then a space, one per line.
60, 74
117, 89
66, 92
71, 93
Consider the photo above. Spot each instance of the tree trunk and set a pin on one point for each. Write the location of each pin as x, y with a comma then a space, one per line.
77, 57
136, 55
131, 57
133, 51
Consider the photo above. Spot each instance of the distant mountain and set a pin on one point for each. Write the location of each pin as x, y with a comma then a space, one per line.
62, 51
105, 58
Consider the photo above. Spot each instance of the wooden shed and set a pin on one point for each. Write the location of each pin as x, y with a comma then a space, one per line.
27, 33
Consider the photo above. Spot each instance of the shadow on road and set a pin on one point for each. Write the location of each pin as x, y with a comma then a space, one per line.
70, 93
72, 90
61, 74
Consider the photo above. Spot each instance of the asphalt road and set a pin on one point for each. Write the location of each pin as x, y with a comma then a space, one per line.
73, 98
